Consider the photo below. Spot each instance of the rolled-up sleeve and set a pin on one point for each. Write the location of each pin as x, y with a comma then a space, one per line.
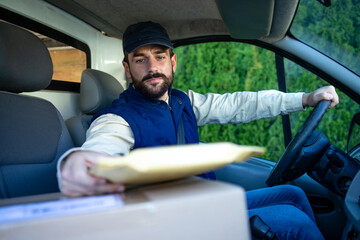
240, 107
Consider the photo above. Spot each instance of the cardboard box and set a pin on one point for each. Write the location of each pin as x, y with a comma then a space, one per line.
190, 208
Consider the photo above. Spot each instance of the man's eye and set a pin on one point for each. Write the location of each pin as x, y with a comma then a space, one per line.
160, 57
140, 60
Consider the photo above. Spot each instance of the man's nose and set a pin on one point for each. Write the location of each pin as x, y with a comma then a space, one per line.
153, 65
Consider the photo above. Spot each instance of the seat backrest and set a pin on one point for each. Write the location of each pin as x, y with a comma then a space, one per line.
97, 91
33, 134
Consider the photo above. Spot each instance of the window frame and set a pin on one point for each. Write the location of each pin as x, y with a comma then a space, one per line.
281, 54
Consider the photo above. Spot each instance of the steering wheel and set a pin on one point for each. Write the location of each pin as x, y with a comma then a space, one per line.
286, 168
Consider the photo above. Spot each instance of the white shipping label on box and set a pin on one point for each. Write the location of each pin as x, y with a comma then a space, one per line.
59, 208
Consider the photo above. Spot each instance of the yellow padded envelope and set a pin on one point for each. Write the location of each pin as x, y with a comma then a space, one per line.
149, 165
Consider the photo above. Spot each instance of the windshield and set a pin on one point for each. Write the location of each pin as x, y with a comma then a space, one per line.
334, 30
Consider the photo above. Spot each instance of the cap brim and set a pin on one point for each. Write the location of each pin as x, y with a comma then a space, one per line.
135, 46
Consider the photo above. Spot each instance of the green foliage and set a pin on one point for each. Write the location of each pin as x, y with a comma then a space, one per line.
222, 67
334, 30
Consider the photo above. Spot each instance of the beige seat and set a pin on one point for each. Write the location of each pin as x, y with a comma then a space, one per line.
97, 91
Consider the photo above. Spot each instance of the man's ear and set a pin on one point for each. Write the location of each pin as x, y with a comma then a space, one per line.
127, 69
173, 61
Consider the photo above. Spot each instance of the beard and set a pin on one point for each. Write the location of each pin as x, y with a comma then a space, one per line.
155, 90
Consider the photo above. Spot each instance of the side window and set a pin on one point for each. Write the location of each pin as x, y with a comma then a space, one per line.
68, 62
335, 123
221, 67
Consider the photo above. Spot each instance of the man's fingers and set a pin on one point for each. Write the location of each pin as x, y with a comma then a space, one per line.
334, 100
72, 190
330, 94
76, 189
108, 188
84, 184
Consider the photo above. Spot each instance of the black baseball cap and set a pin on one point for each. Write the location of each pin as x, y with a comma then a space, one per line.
145, 33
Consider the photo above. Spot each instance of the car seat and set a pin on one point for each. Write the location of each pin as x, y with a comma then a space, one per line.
97, 91
33, 133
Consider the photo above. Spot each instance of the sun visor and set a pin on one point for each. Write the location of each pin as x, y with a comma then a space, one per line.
247, 19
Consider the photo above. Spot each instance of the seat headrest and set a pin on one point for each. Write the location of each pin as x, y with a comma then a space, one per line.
25, 62
98, 90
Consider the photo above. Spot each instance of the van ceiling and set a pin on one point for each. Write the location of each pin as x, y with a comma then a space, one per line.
266, 20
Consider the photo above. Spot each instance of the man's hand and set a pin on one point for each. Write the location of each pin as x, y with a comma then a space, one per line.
324, 93
76, 180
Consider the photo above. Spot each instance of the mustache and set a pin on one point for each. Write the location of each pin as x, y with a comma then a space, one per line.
153, 75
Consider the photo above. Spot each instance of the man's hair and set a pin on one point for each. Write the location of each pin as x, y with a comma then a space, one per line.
126, 59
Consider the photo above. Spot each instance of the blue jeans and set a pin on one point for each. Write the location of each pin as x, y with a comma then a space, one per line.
286, 210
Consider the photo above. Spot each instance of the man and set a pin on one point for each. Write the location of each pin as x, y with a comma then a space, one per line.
150, 113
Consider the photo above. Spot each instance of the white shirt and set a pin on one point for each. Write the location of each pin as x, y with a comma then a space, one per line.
111, 134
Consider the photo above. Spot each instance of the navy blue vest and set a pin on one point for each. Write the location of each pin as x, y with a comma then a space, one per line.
153, 121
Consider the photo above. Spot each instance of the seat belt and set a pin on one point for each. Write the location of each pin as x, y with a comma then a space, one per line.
180, 133
181, 140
